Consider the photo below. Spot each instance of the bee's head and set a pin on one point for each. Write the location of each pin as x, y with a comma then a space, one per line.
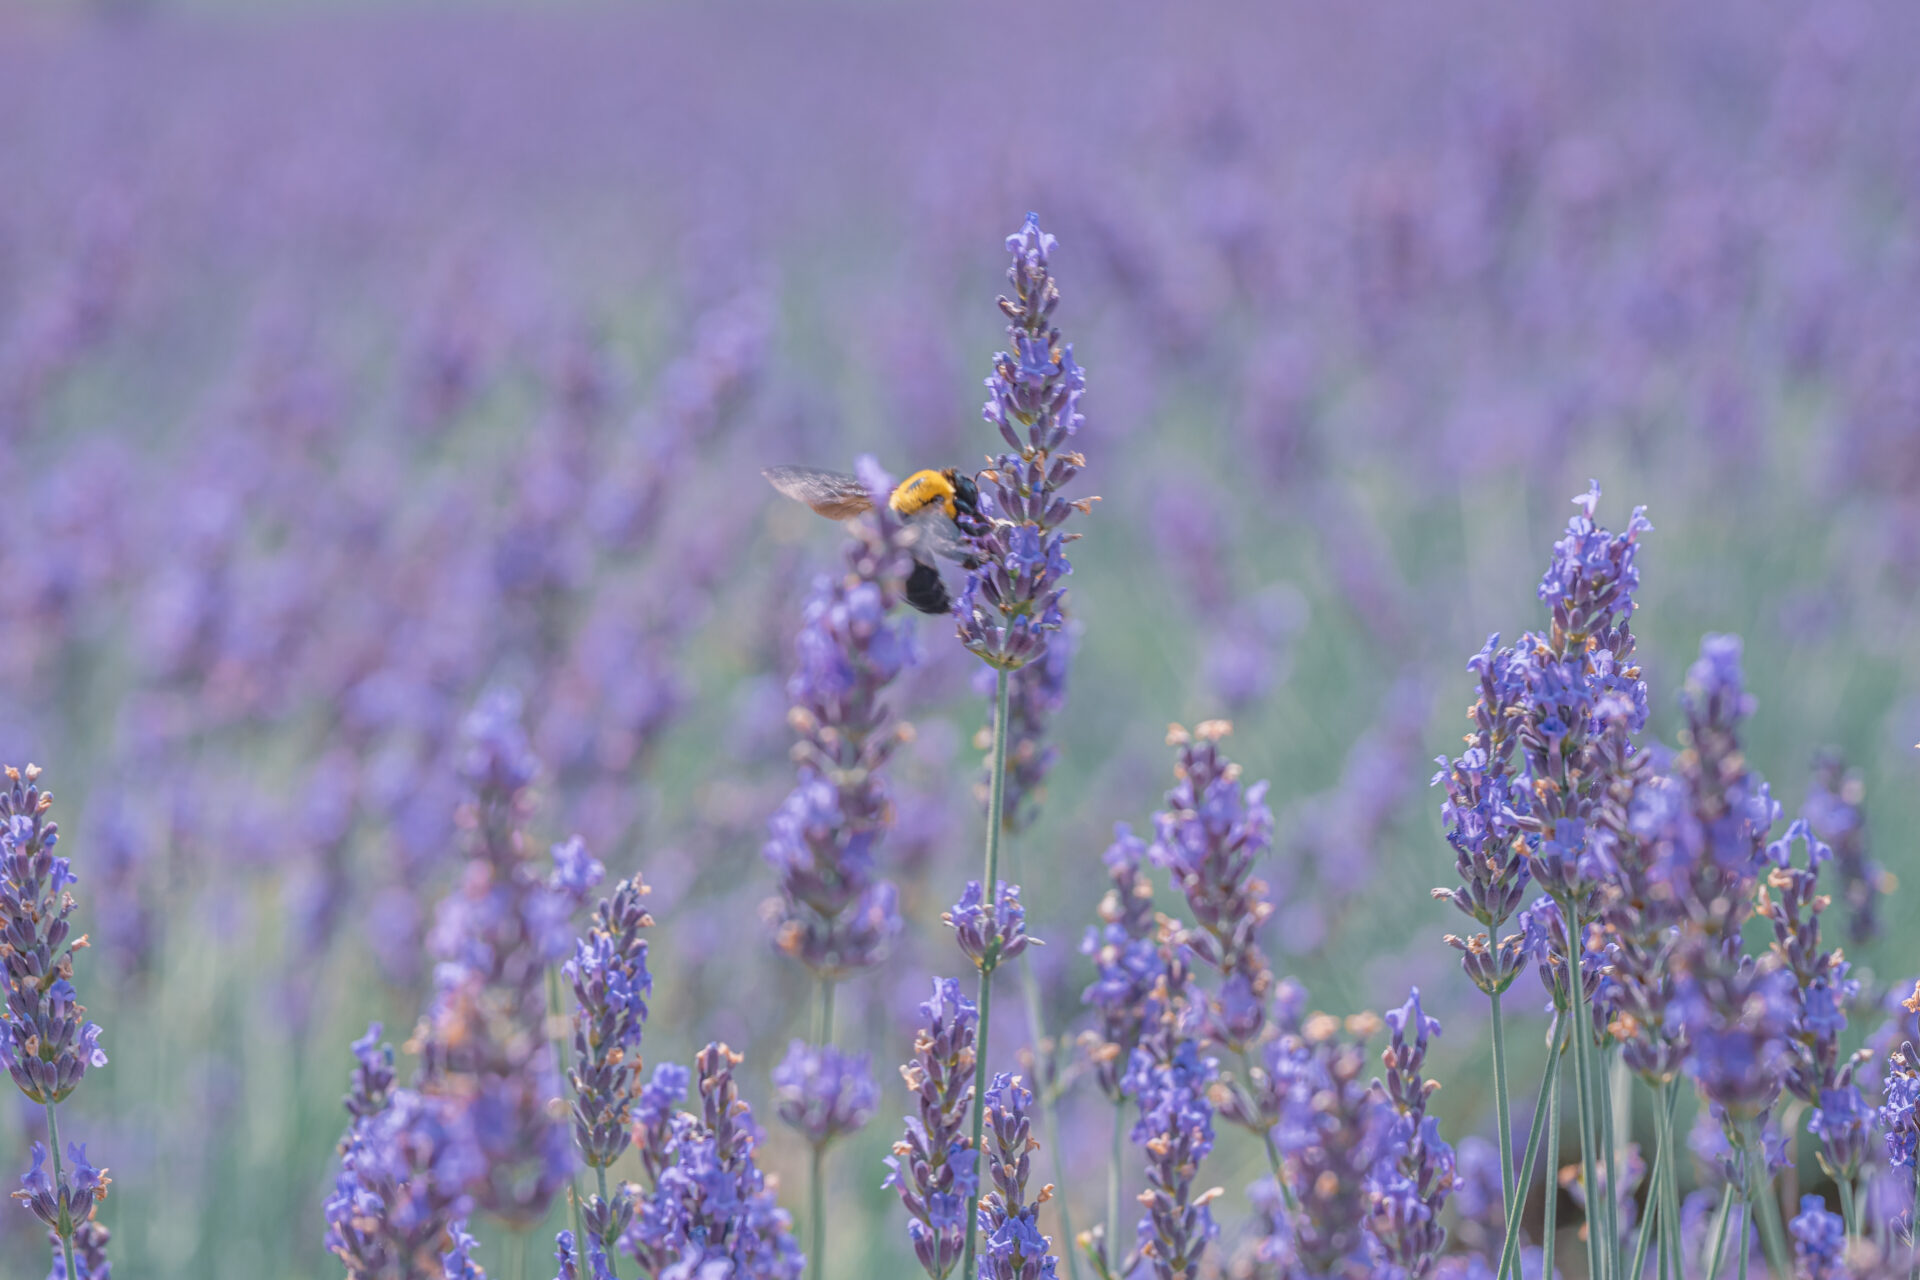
966, 494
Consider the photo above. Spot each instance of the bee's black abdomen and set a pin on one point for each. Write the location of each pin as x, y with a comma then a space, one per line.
926, 592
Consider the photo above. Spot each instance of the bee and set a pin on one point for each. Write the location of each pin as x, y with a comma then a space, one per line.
931, 503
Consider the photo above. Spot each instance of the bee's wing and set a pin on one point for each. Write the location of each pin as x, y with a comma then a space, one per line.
833, 494
936, 535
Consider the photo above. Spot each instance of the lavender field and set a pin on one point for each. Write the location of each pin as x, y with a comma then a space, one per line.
396, 624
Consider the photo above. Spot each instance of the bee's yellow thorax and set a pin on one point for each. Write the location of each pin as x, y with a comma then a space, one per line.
920, 490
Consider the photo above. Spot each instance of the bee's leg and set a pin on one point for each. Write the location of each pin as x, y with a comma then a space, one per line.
925, 591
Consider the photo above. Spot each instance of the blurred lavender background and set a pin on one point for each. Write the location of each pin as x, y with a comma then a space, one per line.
355, 360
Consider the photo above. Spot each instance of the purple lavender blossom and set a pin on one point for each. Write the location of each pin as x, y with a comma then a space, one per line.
1015, 1249
48, 1045
1209, 838
1175, 1130
1036, 694
710, 1210
457, 1262
934, 1167
989, 934
825, 1094
1585, 656
1126, 962
1819, 1242
482, 1040
1328, 1142
1899, 1114
1010, 606
833, 914
1835, 810
1816, 1074
1414, 1172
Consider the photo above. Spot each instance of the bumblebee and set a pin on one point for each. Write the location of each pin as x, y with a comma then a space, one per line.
931, 503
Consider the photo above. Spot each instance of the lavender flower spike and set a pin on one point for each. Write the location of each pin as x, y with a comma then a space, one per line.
46, 1043
1011, 603
1015, 1248
990, 935
825, 1094
1819, 1242
1126, 962
933, 1166
1414, 1174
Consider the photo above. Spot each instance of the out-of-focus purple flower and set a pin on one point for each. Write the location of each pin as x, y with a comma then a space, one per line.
1037, 692
1737, 1022
934, 1167
1175, 1130
989, 934
1328, 1139
1126, 961
1819, 1242
457, 1263
1009, 609
1413, 1173
407, 1163
1835, 810
823, 1093
1015, 1249
1209, 838
483, 1041
833, 914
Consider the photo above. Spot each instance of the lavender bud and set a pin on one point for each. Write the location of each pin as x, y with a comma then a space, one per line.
825, 1094
989, 935
933, 1167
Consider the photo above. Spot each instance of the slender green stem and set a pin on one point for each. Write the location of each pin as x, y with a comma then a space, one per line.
1583, 1071
1044, 1064
1767, 1208
816, 1169
560, 1060
1846, 1209
1721, 1219
1604, 1078
1113, 1185
516, 1256
65, 1229
1547, 1231
1503, 1118
996, 805
1655, 1202
1746, 1236
817, 1207
1670, 1222
1510, 1246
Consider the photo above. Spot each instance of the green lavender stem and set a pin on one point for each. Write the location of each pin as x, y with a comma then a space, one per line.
1767, 1208
1605, 1074
1113, 1184
1670, 1188
1846, 1209
559, 1042
996, 805
65, 1229
1720, 1232
817, 1207
816, 1172
1553, 1183
1656, 1201
1503, 1118
1043, 1092
1510, 1246
1583, 1071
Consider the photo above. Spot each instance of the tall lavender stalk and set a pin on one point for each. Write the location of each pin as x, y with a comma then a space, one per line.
1010, 606
834, 914
1490, 853
47, 1044
933, 1167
